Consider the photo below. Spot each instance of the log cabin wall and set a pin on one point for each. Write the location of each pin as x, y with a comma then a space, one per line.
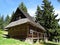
22, 31
34, 33
41, 33
35, 29
19, 32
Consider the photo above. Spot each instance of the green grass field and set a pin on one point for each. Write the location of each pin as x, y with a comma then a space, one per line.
10, 41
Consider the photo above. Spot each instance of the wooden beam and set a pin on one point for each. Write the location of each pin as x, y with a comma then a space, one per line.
38, 35
32, 35
44, 36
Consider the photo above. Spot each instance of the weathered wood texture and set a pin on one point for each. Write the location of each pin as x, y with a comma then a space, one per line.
19, 32
36, 29
23, 31
18, 15
36, 32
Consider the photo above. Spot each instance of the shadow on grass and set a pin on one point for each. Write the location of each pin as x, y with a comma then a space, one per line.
6, 36
50, 43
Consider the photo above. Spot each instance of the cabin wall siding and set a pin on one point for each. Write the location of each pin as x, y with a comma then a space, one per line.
18, 31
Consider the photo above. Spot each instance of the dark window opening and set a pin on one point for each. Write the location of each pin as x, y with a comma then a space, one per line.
30, 31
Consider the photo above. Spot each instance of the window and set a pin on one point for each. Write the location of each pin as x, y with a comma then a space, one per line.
19, 17
16, 18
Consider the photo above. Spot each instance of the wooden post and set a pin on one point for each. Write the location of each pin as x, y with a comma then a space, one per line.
38, 35
32, 36
41, 36
27, 30
44, 36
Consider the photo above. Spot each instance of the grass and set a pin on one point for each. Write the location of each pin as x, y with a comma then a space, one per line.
50, 43
1, 32
47, 43
10, 41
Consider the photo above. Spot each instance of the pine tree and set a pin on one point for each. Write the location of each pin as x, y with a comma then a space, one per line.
23, 7
7, 20
1, 22
38, 17
49, 19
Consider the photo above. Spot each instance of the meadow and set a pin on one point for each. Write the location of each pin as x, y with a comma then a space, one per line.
10, 41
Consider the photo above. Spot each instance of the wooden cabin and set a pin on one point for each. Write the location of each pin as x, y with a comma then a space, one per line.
23, 26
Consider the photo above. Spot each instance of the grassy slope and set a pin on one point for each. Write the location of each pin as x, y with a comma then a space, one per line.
5, 41
10, 41
47, 43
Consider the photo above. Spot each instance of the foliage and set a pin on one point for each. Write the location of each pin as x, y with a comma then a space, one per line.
7, 20
47, 18
23, 7
1, 22
38, 17
12, 16
4, 22
57, 34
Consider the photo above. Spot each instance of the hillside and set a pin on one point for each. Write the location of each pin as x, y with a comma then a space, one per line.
10, 41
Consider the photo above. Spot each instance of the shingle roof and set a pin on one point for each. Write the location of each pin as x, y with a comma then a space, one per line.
22, 21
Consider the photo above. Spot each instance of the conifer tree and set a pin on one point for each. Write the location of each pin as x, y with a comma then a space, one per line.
49, 20
38, 17
7, 20
1, 22
23, 7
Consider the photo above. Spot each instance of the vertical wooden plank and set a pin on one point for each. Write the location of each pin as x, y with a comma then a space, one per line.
32, 36
44, 36
38, 35
27, 29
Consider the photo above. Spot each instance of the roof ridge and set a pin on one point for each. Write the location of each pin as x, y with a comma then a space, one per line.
29, 17
26, 14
